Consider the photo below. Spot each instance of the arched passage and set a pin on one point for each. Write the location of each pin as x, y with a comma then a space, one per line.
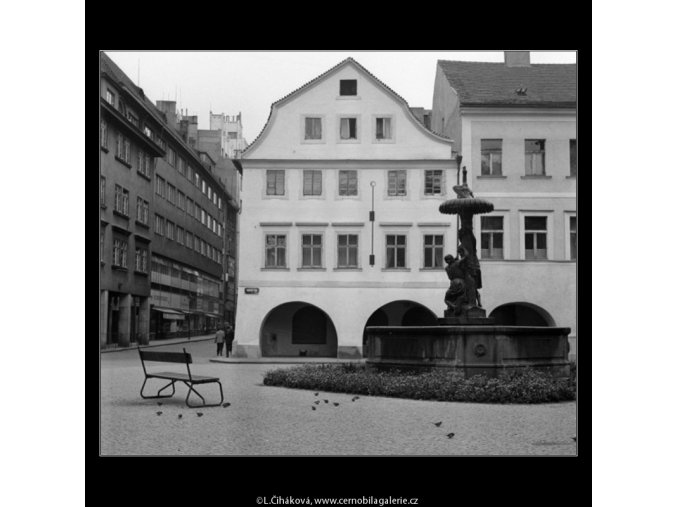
298, 329
522, 314
400, 313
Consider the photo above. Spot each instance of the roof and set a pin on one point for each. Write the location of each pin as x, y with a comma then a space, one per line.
325, 74
495, 84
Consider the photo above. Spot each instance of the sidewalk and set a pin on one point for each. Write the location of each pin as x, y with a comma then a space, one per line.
283, 360
162, 343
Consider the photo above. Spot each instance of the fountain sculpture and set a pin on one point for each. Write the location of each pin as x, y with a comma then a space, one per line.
465, 338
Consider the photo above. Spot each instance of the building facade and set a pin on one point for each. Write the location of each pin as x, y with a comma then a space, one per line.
163, 222
340, 226
515, 127
229, 127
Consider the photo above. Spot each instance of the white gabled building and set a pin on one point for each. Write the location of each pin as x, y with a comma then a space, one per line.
328, 151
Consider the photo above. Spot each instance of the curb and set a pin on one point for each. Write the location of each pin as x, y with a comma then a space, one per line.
156, 344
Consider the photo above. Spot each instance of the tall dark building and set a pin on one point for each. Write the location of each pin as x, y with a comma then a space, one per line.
163, 222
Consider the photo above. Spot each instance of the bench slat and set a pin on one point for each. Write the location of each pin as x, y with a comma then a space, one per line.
170, 375
166, 357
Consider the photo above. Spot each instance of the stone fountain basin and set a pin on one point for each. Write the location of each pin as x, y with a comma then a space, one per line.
489, 350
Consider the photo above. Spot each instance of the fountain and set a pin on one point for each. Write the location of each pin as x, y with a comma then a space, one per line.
465, 338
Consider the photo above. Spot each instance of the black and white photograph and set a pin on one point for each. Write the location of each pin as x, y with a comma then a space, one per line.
338, 253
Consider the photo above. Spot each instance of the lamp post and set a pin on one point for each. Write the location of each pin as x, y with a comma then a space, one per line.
371, 219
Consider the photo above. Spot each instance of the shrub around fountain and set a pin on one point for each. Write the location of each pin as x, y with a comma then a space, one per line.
527, 386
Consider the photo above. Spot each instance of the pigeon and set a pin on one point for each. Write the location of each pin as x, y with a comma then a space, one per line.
438, 424
317, 394
326, 401
159, 403
159, 413
355, 398
336, 404
574, 438
450, 435
317, 402
226, 405
313, 408
200, 414
180, 416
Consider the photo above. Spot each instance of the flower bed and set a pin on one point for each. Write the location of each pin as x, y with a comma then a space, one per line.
526, 386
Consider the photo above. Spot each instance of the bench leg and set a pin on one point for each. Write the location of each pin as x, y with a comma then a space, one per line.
204, 403
158, 393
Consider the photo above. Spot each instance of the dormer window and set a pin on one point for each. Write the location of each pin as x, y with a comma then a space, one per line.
348, 87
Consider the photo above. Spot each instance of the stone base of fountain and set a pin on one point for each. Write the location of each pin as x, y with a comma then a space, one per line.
474, 349
473, 316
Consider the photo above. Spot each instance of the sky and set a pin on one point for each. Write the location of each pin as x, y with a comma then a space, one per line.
248, 82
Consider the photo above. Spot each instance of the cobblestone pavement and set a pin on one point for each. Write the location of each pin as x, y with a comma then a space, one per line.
264, 420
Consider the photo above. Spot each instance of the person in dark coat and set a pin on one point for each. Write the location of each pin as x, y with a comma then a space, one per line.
220, 339
230, 336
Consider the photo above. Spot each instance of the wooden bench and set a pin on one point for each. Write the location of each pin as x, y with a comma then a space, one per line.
187, 378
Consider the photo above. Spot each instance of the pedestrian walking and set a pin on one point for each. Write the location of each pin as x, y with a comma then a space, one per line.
230, 336
220, 339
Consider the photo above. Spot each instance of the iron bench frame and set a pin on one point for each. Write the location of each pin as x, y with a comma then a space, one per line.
189, 379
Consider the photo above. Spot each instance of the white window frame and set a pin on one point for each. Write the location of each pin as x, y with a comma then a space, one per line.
274, 232
407, 248
374, 118
323, 126
491, 158
311, 232
406, 185
425, 233
348, 232
143, 206
358, 128
531, 155
477, 226
549, 234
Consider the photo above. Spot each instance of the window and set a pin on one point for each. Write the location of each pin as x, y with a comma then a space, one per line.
171, 193
110, 97
232, 135
218, 229
141, 260
132, 118
119, 253
148, 132
276, 248
492, 155
573, 158
198, 212
397, 182
347, 251
121, 200
534, 153
181, 200
189, 173
396, 246
171, 157
219, 203
311, 246
102, 242
312, 182
535, 238
123, 148
203, 247
204, 186
203, 216
348, 182
142, 210
433, 251
159, 225
180, 235
198, 241
492, 237
197, 179
348, 87
348, 129
104, 134
313, 128
433, 182
383, 130
170, 230
214, 197
275, 182
182, 167
209, 221
143, 163
102, 192
190, 206
189, 240
573, 239
209, 192
159, 185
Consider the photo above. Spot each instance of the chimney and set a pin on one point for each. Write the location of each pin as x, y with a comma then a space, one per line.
169, 108
517, 59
